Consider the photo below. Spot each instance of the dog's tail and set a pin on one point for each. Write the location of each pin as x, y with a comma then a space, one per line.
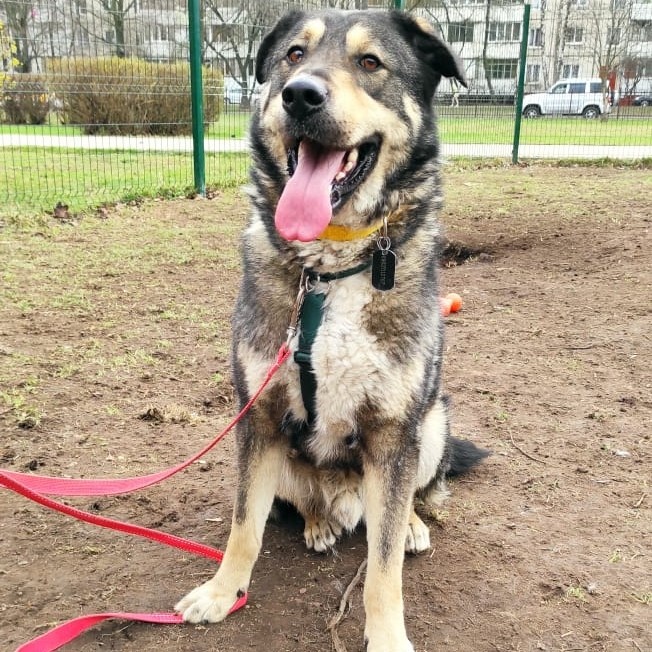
464, 455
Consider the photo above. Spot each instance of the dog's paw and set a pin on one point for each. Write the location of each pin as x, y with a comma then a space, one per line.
208, 603
320, 534
418, 536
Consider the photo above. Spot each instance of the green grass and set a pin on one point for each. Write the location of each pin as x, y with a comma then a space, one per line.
468, 124
231, 124
40, 130
37, 179
546, 131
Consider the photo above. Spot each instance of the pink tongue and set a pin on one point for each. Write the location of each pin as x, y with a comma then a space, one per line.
304, 209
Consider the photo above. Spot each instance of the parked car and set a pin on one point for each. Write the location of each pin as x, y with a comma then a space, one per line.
567, 97
642, 100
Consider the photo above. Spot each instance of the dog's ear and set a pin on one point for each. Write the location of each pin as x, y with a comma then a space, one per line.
282, 27
436, 54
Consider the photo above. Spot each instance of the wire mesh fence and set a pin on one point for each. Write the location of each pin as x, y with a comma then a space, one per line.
95, 95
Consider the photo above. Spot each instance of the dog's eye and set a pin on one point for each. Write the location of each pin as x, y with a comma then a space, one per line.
369, 62
295, 55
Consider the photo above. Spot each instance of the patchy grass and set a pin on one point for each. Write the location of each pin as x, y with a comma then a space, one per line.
86, 179
576, 593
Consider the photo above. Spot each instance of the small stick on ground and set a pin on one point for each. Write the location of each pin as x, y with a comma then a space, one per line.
344, 605
520, 450
640, 501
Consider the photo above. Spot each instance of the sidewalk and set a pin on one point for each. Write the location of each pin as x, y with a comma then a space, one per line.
211, 145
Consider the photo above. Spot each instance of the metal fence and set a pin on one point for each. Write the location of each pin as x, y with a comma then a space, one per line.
96, 103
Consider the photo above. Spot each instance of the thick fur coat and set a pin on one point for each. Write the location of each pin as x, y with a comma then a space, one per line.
343, 141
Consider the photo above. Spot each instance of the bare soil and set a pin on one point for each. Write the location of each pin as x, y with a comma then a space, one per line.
114, 361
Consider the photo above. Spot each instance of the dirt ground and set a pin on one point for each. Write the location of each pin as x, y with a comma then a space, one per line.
114, 361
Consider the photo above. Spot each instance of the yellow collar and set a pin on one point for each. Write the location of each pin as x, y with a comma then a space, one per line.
340, 233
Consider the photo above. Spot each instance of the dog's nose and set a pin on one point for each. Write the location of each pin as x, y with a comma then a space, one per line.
303, 96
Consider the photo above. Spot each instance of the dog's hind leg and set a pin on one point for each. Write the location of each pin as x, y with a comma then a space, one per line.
388, 495
212, 601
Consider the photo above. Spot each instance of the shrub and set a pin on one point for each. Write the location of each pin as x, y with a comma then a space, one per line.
24, 99
130, 96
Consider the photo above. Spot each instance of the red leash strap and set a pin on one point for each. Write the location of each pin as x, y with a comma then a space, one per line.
107, 487
70, 630
34, 488
24, 490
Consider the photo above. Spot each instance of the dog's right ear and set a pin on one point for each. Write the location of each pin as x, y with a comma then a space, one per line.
282, 27
435, 53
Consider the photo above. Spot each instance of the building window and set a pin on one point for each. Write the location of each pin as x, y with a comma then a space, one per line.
159, 33
460, 32
504, 32
613, 36
502, 68
643, 32
532, 73
573, 34
535, 38
571, 71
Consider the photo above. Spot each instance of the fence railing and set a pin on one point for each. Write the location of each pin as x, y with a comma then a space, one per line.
96, 106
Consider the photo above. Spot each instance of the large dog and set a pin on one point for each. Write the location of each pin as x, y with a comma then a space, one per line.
345, 190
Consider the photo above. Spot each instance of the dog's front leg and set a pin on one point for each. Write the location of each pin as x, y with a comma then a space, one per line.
257, 485
388, 495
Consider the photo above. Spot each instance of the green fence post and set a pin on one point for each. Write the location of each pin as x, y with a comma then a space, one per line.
197, 97
521, 82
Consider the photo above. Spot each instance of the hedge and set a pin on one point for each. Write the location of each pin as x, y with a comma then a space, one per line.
24, 99
128, 96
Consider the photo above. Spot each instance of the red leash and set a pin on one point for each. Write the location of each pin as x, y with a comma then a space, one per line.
35, 488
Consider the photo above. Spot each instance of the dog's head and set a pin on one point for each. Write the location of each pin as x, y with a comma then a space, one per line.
345, 110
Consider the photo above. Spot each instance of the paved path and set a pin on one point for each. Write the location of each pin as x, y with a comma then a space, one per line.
211, 145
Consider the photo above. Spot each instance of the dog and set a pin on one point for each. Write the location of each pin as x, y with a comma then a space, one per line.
345, 188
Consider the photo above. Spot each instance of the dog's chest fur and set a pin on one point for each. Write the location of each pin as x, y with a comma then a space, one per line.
354, 372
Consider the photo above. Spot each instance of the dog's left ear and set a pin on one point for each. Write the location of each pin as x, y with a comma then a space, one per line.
436, 54
282, 27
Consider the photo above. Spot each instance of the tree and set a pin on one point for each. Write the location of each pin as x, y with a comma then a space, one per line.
20, 17
232, 35
485, 45
105, 21
612, 26
7, 52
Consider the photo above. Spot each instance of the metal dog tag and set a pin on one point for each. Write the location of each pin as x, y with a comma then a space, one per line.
383, 266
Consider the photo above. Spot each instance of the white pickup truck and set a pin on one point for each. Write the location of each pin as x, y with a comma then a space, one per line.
568, 97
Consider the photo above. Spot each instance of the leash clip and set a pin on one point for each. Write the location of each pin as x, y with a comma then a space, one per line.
296, 308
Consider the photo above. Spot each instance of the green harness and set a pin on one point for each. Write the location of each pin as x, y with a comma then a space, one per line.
311, 314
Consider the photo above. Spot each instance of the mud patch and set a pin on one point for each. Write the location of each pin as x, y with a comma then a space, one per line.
544, 547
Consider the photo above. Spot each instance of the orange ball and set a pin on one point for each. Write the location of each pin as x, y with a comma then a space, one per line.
456, 301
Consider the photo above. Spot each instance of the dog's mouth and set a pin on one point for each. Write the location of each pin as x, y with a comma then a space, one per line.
321, 180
